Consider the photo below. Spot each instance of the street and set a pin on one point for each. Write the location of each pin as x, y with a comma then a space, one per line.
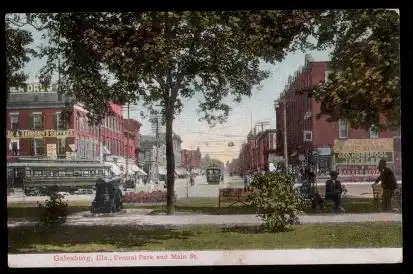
201, 189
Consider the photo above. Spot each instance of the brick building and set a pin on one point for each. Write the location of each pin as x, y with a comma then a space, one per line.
306, 134
266, 145
256, 153
191, 159
35, 128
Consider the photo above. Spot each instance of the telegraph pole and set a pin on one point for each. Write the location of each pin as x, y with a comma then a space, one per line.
127, 146
157, 149
285, 135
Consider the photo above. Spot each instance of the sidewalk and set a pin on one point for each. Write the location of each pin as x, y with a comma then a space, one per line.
217, 220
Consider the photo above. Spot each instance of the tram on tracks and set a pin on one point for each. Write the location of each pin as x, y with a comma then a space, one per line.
39, 177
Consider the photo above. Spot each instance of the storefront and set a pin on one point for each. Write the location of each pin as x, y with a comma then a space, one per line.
357, 159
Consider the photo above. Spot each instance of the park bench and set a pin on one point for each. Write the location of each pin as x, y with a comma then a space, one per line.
378, 192
233, 196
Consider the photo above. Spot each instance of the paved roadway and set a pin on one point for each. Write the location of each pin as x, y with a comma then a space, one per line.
200, 189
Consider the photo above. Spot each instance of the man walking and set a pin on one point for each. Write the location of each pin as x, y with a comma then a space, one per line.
388, 183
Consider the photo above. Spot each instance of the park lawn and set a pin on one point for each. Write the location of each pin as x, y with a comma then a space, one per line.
191, 205
135, 238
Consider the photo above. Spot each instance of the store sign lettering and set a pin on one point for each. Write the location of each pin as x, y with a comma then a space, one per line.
363, 158
40, 133
33, 88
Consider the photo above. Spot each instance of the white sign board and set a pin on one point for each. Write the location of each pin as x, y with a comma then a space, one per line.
51, 151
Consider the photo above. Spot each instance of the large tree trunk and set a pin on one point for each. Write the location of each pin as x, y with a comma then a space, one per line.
170, 164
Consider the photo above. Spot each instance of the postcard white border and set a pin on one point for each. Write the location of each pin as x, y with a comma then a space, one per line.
208, 258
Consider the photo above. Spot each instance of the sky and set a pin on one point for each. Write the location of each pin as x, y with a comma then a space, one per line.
244, 115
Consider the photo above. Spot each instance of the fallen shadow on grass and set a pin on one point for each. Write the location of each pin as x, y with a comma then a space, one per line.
74, 237
251, 229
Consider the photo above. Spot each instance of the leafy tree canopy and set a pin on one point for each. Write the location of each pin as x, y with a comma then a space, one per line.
18, 51
364, 82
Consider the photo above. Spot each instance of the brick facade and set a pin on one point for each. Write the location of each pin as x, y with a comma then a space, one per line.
190, 159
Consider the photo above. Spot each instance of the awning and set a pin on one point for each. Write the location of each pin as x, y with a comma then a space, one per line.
181, 171
106, 151
16, 141
162, 170
72, 147
272, 167
138, 170
114, 168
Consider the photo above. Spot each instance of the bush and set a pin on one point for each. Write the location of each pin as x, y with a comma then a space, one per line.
54, 212
276, 200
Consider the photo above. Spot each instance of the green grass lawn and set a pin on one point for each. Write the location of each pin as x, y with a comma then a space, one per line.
134, 238
193, 205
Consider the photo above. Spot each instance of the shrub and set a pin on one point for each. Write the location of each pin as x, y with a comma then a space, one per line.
54, 212
276, 200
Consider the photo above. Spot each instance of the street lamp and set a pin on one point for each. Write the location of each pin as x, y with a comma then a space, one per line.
276, 105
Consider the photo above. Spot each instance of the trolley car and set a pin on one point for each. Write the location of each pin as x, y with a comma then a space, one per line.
213, 175
36, 178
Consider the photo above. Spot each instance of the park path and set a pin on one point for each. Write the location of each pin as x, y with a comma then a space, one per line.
181, 220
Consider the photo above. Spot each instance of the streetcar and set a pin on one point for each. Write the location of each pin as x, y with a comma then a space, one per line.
38, 178
213, 175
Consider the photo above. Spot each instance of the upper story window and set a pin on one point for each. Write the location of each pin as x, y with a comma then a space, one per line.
342, 128
37, 121
61, 123
374, 132
14, 121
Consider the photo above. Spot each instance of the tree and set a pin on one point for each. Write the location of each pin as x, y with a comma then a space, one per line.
17, 49
162, 58
364, 82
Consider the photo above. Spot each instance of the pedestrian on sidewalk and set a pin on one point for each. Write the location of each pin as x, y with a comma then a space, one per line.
388, 183
334, 191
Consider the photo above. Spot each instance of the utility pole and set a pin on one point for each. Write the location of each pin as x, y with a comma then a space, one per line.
285, 134
127, 146
157, 149
100, 144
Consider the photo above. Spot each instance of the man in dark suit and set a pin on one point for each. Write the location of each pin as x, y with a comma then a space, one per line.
388, 183
334, 190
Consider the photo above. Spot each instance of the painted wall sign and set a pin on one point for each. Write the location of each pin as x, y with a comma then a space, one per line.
21, 134
33, 88
364, 145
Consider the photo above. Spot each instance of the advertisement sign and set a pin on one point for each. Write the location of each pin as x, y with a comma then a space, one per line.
360, 157
39, 133
51, 151
34, 88
363, 145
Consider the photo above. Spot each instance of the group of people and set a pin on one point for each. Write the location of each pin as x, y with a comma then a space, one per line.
334, 189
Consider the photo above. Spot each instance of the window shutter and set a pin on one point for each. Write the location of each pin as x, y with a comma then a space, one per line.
43, 121
31, 121
55, 120
30, 141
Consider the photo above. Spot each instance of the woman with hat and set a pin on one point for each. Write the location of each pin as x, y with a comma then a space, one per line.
334, 190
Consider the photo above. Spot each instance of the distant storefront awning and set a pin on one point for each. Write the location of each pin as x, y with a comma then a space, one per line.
106, 151
181, 171
162, 170
72, 148
138, 170
115, 169
272, 167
